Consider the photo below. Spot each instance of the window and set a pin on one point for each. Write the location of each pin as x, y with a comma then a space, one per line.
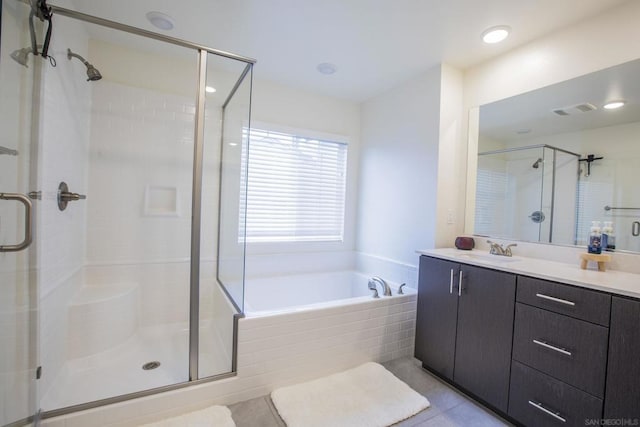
295, 188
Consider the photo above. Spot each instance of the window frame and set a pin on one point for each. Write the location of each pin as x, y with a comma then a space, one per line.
263, 246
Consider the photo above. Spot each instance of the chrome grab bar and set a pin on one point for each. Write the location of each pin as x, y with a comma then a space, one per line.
552, 347
561, 301
27, 222
539, 406
612, 208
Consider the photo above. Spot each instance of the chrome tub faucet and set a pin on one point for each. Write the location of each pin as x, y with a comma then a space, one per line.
386, 290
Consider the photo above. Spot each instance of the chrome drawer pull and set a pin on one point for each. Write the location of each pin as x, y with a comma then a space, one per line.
552, 347
561, 301
460, 284
451, 282
546, 411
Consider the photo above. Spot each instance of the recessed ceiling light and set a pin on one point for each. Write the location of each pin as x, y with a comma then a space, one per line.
613, 105
160, 20
326, 68
210, 89
495, 34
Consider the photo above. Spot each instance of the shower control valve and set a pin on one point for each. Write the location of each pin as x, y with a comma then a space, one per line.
65, 196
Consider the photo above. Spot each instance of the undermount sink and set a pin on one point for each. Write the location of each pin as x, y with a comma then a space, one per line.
487, 257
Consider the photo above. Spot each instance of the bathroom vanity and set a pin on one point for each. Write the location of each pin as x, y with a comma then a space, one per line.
541, 342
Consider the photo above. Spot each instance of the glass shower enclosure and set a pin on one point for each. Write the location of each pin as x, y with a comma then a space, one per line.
128, 185
528, 193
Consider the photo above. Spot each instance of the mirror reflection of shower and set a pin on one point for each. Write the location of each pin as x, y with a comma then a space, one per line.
536, 165
528, 193
92, 72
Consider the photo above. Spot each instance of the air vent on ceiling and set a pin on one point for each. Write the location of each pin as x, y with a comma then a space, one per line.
585, 107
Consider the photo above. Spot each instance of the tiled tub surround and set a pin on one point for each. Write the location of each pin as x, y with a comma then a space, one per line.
282, 349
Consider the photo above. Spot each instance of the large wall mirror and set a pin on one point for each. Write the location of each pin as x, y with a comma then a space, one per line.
552, 160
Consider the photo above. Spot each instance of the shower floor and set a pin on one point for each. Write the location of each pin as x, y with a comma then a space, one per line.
119, 371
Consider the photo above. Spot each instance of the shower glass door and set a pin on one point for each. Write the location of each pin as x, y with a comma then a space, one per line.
128, 297
116, 266
18, 313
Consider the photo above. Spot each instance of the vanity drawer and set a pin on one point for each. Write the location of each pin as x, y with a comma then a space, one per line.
584, 304
571, 350
536, 399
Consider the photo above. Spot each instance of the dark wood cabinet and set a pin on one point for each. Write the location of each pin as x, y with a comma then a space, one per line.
541, 352
436, 316
485, 329
622, 398
539, 400
584, 304
465, 334
571, 350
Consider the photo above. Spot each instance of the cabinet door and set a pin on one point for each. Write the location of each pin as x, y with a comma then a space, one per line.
485, 330
436, 316
622, 397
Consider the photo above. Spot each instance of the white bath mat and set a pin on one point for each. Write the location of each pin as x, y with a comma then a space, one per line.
213, 416
367, 396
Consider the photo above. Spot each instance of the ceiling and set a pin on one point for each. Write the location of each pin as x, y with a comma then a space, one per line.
375, 44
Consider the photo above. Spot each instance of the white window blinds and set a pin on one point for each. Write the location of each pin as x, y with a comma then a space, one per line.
295, 188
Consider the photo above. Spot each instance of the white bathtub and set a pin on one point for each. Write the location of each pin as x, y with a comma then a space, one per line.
293, 293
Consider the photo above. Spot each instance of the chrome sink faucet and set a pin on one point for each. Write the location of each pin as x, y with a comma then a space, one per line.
497, 249
386, 290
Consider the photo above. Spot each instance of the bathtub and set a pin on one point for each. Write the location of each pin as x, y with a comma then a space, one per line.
301, 292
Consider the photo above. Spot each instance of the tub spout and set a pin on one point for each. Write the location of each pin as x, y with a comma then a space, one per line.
386, 290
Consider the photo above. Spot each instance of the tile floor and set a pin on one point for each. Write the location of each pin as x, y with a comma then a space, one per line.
449, 408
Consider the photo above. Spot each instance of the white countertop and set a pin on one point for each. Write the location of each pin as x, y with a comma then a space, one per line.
617, 282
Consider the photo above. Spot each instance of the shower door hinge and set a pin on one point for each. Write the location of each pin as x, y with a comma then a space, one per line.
39, 372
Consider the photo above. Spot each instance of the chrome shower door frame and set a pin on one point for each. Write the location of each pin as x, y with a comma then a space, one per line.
197, 171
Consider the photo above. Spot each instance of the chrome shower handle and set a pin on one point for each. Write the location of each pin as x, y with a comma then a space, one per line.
27, 222
65, 196
70, 197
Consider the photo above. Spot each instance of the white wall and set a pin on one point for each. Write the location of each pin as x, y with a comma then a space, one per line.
606, 40
450, 182
285, 107
399, 170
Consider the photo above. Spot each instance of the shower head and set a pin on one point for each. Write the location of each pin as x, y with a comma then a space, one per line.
21, 55
92, 72
536, 165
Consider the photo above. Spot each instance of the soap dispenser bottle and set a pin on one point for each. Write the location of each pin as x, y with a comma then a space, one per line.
606, 228
595, 238
608, 238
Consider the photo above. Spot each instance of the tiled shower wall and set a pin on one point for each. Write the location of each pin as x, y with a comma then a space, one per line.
63, 150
